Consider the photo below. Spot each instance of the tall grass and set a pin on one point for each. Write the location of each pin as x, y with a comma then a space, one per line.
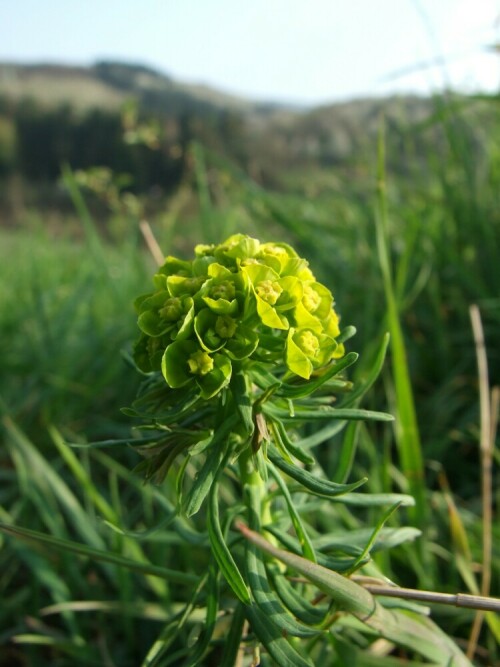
66, 315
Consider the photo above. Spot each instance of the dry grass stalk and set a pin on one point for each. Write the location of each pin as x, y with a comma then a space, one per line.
486, 452
151, 242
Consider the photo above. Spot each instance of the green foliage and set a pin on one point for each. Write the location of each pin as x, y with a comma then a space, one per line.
62, 326
98, 567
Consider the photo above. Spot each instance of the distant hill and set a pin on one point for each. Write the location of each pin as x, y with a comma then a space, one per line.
107, 84
54, 114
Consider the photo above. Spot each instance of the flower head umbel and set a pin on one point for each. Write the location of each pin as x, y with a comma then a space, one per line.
235, 302
232, 342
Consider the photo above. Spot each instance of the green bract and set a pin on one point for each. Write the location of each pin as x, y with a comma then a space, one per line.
235, 303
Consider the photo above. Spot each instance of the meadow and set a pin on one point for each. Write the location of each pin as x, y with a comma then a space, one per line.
84, 578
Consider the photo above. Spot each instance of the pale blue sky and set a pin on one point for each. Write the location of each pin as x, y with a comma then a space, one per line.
304, 51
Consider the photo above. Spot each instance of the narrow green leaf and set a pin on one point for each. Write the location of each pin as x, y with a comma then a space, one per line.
142, 535
375, 499
260, 461
351, 655
280, 435
206, 476
343, 564
268, 601
296, 603
179, 481
316, 485
347, 452
305, 542
48, 481
241, 394
82, 477
121, 442
323, 413
378, 527
282, 652
221, 551
149, 611
360, 388
45, 572
387, 538
321, 435
60, 645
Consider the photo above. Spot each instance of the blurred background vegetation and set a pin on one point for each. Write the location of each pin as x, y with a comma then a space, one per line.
85, 155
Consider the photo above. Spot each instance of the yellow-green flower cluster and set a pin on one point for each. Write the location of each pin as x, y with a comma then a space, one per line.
238, 301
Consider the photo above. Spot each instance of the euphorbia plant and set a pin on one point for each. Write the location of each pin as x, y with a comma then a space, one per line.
241, 348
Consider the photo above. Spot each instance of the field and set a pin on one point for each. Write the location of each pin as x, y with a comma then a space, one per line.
110, 575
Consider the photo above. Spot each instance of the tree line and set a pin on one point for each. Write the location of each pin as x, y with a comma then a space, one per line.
35, 141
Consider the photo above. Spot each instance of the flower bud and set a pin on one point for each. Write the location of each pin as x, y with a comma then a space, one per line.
223, 290
172, 310
225, 326
308, 342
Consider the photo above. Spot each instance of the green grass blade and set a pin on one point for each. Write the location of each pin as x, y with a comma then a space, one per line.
172, 629
95, 245
233, 640
82, 477
99, 554
365, 383
48, 481
407, 433
212, 607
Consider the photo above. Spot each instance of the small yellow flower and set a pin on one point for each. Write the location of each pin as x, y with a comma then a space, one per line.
269, 291
311, 299
308, 343
200, 363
